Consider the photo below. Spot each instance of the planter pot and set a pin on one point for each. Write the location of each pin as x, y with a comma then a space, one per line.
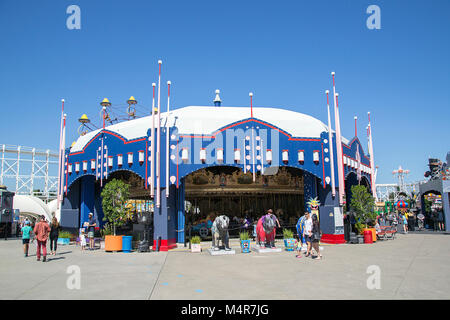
196, 247
113, 243
63, 241
245, 246
289, 244
126, 243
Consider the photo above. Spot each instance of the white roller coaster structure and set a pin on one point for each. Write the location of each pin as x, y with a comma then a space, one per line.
29, 171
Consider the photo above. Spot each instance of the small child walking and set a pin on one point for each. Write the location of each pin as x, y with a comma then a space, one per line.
298, 246
83, 240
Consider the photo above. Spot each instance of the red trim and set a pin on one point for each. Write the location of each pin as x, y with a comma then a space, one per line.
107, 132
166, 245
146, 158
213, 136
177, 163
333, 238
129, 152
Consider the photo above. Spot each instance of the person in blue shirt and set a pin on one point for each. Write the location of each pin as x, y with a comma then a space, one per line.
26, 232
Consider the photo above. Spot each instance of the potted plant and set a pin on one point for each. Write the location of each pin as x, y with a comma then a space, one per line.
195, 244
289, 241
64, 237
363, 204
245, 242
114, 197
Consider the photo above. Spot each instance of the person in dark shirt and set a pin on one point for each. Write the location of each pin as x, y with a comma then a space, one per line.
54, 233
91, 229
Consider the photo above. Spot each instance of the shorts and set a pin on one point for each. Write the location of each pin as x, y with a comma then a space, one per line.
90, 234
308, 238
25, 241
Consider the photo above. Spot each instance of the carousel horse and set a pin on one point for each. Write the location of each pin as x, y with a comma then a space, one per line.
265, 231
219, 231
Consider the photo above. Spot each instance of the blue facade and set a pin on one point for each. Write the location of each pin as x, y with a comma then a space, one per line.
244, 137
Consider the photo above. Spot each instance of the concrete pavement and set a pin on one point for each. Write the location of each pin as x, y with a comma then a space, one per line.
413, 266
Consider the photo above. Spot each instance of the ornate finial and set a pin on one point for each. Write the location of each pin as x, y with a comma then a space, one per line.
217, 101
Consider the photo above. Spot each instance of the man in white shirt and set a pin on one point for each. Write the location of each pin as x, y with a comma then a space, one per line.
307, 232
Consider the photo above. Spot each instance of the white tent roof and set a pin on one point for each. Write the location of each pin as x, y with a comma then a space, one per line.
207, 120
31, 205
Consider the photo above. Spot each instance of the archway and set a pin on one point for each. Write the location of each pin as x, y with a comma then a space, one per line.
138, 205
351, 180
433, 210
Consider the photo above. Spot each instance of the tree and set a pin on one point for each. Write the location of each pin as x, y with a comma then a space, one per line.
363, 205
114, 196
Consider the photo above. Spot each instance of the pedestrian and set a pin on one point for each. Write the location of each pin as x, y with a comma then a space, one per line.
405, 222
434, 217
41, 231
440, 219
26, 232
307, 233
91, 229
83, 239
54, 233
270, 238
420, 220
316, 236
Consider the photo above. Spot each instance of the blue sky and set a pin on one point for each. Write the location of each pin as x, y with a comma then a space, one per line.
282, 51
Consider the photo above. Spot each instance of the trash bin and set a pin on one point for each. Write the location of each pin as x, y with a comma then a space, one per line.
126, 243
368, 236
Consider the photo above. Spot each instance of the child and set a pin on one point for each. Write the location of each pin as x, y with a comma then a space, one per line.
26, 231
298, 246
83, 240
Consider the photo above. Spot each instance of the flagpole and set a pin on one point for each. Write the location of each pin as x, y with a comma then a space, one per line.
158, 152
356, 130
60, 160
167, 140
372, 161
253, 138
339, 151
330, 139
152, 151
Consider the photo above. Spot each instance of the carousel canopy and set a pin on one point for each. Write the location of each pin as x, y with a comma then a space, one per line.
207, 120
401, 204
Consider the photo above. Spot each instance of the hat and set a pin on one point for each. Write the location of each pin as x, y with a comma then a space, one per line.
90, 213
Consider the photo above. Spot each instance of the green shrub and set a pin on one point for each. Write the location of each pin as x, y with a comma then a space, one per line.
106, 231
65, 234
196, 240
244, 236
288, 234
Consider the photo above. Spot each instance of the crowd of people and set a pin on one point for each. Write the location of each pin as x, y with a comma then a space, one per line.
43, 231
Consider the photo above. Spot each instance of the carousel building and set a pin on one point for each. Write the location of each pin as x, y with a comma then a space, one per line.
238, 161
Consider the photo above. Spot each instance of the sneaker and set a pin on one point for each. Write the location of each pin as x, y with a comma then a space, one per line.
44, 259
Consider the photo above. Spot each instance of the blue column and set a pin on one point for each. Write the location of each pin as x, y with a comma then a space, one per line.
309, 187
180, 213
87, 198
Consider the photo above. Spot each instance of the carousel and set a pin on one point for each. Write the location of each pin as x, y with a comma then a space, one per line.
196, 162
